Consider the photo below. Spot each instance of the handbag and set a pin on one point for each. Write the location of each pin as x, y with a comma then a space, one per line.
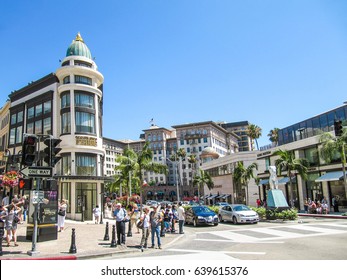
16, 219
139, 224
61, 212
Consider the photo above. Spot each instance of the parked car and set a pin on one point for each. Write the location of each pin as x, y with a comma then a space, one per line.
237, 213
152, 203
220, 204
201, 215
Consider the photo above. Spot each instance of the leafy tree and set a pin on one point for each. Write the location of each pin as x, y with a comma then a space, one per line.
243, 174
287, 162
333, 148
273, 135
203, 179
254, 132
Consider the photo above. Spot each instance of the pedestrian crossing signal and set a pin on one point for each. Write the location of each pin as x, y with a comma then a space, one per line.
338, 128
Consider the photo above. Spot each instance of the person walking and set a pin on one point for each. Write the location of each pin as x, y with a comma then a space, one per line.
62, 206
11, 222
145, 230
335, 203
181, 217
120, 215
96, 213
155, 220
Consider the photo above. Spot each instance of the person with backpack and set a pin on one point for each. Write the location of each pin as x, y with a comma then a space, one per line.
120, 215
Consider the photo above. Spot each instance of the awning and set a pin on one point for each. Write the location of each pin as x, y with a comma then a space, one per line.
212, 196
172, 193
330, 176
285, 180
224, 196
264, 182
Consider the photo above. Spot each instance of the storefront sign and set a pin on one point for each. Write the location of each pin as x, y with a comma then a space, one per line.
86, 141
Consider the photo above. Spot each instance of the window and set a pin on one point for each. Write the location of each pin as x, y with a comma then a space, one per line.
38, 127
66, 80
85, 122
19, 134
19, 116
312, 156
13, 119
38, 110
47, 128
86, 165
66, 122
47, 107
65, 100
83, 80
31, 111
66, 164
84, 100
30, 128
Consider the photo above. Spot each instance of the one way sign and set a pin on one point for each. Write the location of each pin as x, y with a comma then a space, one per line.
37, 171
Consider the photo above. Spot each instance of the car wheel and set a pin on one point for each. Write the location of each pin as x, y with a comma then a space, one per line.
234, 220
215, 224
195, 223
220, 218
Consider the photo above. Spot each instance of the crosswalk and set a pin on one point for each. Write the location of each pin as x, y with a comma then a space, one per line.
274, 234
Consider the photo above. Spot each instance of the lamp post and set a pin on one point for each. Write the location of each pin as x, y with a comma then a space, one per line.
176, 178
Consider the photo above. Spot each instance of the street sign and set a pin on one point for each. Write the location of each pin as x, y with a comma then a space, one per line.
37, 171
37, 197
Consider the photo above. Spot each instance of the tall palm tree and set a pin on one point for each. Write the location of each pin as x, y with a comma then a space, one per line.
287, 162
334, 147
273, 135
181, 154
202, 179
243, 174
193, 160
254, 132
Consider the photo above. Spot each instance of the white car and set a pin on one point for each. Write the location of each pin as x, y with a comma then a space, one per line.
238, 214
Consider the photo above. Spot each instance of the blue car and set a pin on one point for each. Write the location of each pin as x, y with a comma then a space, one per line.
201, 215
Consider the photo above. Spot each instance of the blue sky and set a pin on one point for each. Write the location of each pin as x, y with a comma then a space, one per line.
272, 63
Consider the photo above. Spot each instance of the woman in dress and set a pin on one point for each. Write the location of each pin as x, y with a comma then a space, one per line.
62, 206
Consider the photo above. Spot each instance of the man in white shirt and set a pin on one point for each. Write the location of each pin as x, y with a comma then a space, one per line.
181, 217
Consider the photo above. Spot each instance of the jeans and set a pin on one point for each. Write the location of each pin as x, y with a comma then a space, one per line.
156, 231
180, 225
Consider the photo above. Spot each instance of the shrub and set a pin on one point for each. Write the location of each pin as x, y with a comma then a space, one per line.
290, 214
261, 211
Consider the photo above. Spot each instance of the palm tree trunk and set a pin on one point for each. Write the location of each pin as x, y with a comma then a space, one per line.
291, 192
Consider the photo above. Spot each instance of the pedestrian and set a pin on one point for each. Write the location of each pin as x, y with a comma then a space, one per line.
11, 222
120, 215
181, 217
62, 206
335, 203
25, 207
6, 200
134, 215
96, 213
258, 201
145, 229
156, 218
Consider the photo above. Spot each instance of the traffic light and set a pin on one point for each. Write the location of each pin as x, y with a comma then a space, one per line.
338, 128
51, 151
25, 183
29, 149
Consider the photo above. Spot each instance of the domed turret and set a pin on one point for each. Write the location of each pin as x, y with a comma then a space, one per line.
208, 154
79, 48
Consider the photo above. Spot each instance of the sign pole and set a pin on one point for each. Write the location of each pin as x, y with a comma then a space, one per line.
36, 211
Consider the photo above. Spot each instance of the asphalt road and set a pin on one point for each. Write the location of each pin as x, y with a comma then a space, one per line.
304, 239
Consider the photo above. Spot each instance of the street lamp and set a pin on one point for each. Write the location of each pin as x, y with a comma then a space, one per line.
176, 177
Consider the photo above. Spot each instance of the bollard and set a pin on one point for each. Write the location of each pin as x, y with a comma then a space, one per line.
130, 234
73, 249
113, 241
106, 236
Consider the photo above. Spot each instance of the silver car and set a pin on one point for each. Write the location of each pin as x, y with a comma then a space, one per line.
238, 213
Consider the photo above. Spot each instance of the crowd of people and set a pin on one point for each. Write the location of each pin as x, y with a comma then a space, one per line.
320, 206
152, 221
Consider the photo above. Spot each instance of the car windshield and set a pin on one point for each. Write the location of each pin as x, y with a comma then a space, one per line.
241, 208
201, 209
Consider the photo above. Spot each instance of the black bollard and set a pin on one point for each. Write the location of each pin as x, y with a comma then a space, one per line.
130, 234
73, 249
101, 221
106, 237
113, 241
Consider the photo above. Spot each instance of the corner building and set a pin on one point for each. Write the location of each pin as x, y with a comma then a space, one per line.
79, 109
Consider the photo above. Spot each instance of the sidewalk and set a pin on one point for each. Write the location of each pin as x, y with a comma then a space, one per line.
89, 243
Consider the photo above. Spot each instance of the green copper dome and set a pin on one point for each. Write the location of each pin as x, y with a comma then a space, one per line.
78, 47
